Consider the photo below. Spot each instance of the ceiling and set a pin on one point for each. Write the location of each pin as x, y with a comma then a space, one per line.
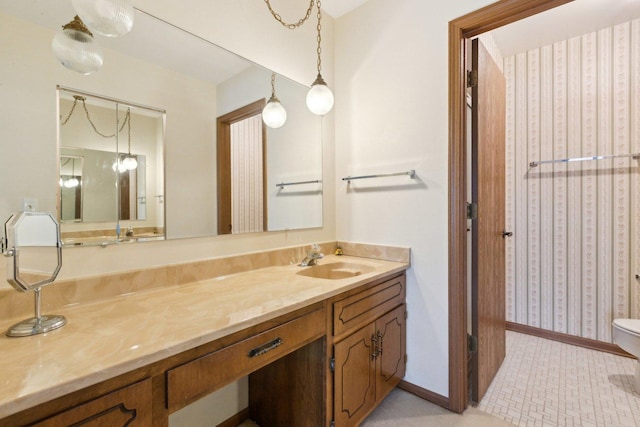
337, 8
564, 22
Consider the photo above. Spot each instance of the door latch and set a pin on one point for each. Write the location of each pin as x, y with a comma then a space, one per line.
472, 211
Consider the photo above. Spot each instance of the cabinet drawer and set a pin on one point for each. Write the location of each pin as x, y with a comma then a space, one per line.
197, 378
359, 309
129, 406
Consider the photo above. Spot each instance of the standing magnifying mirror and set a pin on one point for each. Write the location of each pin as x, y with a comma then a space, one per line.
35, 251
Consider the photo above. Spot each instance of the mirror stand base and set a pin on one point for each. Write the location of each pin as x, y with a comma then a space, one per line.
36, 325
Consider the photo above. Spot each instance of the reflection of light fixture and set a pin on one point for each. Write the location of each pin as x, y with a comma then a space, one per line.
273, 114
128, 161
319, 97
75, 48
109, 18
73, 181
118, 166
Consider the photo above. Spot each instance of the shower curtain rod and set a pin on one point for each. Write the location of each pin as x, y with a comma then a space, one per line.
635, 156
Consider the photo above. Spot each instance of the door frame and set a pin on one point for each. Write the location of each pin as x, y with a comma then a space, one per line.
223, 162
475, 23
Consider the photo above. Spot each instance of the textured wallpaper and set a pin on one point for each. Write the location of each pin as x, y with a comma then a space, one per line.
576, 249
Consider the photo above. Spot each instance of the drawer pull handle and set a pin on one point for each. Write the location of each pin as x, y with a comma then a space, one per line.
265, 347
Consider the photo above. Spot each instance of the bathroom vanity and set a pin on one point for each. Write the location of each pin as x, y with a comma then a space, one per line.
318, 351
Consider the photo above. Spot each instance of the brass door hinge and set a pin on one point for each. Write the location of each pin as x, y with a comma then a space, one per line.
472, 78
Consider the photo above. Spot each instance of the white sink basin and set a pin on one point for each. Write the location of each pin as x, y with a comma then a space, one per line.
336, 270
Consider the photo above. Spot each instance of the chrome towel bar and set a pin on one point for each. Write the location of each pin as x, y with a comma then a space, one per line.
411, 173
284, 184
582, 159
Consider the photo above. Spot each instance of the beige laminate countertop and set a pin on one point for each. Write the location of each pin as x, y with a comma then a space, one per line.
105, 339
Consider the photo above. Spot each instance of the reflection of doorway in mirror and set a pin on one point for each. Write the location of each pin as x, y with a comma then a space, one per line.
242, 171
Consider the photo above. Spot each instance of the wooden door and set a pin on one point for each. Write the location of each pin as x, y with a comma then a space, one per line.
488, 192
391, 335
355, 377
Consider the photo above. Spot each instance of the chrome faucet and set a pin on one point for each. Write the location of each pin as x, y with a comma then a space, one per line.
312, 257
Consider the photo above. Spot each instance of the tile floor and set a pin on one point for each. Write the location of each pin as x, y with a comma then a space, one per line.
401, 409
547, 383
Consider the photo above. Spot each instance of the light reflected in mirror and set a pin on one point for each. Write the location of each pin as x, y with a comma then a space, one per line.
103, 199
159, 65
71, 188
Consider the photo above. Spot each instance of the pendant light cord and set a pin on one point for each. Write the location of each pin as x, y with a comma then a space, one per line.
287, 25
319, 38
273, 85
82, 99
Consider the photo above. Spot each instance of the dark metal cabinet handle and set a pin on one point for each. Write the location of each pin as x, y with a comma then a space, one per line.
265, 347
374, 345
507, 234
380, 337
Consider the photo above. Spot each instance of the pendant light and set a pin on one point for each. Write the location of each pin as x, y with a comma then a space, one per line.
75, 48
273, 114
111, 18
319, 97
129, 162
73, 181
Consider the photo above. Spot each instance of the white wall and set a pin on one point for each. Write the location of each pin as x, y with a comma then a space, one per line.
391, 115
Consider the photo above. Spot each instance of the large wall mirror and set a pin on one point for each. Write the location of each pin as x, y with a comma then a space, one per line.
189, 84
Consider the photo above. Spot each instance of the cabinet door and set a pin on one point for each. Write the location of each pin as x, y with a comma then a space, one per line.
129, 406
391, 334
354, 377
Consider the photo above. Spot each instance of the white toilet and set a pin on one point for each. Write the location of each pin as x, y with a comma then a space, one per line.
626, 334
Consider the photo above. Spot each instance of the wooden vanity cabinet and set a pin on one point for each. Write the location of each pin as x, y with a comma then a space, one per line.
369, 349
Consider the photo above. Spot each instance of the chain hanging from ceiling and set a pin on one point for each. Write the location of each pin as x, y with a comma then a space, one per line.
82, 99
287, 25
319, 98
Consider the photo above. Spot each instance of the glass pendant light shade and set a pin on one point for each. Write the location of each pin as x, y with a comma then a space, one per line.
273, 114
118, 166
319, 97
75, 48
111, 18
72, 182
129, 162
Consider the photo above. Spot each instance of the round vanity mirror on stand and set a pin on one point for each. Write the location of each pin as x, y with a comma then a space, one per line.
32, 242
